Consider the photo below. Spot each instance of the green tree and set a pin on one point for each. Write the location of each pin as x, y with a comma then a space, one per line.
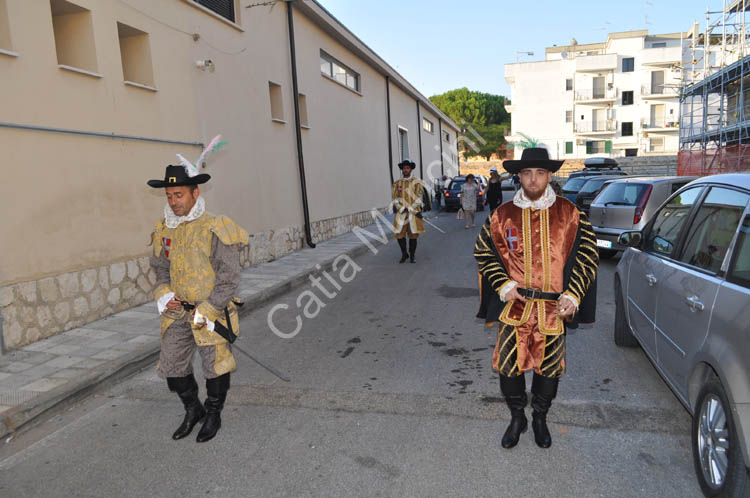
484, 140
467, 107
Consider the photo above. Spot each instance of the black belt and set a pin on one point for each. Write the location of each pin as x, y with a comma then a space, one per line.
225, 332
537, 294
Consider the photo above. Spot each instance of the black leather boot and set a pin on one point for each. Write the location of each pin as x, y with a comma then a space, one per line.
187, 389
402, 245
514, 391
543, 391
412, 250
216, 394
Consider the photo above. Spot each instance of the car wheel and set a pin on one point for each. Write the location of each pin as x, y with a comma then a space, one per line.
717, 455
623, 335
607, 253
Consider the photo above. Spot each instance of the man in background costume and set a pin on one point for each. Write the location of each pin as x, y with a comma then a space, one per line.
196, 260
537, 258
408, 195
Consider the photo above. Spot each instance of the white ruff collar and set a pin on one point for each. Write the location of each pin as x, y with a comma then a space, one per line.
173, 221
544, 202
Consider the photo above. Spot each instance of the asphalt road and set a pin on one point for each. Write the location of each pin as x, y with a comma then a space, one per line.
391, 394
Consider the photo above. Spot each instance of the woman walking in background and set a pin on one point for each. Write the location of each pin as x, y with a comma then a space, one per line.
469, 199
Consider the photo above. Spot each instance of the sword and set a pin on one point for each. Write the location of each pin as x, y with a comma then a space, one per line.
231, 337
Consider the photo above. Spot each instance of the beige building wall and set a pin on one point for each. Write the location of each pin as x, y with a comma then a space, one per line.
433, 166
77, 213
404, 117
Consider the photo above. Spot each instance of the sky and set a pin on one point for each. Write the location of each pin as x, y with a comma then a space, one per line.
439, 45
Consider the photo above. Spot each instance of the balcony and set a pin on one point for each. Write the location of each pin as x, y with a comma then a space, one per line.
659, 92
596, 63
661, 57
658, 125
606, 127
596, 96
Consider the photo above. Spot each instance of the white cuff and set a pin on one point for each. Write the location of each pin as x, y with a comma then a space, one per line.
572, 300
507, 287
198, 318
161, 304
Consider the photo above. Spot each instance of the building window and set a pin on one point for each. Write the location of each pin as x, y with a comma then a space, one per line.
631, 152
74, 36
569, 84
403, 143
568, 147
304, 123
657, 82
427, 125
628, 64
598, 146
135, 54
568, 116
627, 129
658, 44
4, 28
627, 98
225, 8
277, 103
338, 72
446, 136
656, 144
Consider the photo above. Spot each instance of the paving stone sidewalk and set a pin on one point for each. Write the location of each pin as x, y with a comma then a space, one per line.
39, 379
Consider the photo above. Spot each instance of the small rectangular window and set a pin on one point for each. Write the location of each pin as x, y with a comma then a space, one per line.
568, 147
339, 72
277, 104
427, 125
631, 152
568, 116
627, 129
446, 136
628, 64
627, 98
658, 44
403, 143
303, 111
74, 36
656, 144
568, 84
135, 54
225, 8
597, 146
5, 42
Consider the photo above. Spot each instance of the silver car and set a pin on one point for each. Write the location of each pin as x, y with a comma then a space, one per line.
627, 204
682, 291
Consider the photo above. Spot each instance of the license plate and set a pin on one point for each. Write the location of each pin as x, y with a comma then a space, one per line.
607, 244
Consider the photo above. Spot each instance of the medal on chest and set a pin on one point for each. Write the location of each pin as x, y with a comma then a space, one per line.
166, 243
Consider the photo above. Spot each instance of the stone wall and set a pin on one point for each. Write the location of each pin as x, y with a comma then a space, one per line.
37, 309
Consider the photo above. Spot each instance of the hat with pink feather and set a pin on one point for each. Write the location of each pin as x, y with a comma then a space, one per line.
187, 173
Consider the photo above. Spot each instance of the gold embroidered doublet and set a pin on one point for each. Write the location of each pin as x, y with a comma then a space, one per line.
407, 199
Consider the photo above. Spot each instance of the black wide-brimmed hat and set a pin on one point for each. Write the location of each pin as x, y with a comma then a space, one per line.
176, 176
534, 157
406, 162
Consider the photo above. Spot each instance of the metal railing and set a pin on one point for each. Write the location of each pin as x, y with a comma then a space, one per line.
596, 94
608, 125
658, 123
660, 90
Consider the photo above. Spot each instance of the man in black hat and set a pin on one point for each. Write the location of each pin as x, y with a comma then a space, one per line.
538, 259
196, 260
408, 201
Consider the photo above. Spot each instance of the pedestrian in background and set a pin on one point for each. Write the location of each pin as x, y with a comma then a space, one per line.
494, 194
538, 259
439, 188
469, 199
196, 257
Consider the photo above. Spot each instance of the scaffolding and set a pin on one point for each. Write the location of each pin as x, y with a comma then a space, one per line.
715, 94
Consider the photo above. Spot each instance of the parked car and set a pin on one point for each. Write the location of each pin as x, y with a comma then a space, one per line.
682, 292
452, 196
627, 204
589, 190
579, 178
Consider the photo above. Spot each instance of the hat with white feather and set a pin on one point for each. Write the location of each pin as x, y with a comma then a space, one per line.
187, 173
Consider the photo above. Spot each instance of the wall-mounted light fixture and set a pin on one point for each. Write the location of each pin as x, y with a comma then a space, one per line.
205, 64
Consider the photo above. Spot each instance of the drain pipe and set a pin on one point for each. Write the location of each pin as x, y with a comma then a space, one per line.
440, 127
388, 109
297, 127
419, 134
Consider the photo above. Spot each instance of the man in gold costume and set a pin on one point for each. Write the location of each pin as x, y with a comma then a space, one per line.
197, 265
538, 259
408, 201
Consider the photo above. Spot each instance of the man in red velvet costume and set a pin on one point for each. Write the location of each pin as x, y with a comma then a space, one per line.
537, 257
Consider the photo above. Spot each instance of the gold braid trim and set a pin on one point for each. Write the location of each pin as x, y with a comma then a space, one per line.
528, 255
546, 249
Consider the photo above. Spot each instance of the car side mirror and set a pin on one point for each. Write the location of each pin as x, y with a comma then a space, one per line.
629, 239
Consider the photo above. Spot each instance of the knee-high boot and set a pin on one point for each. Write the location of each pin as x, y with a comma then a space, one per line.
412, 250
187, 389
543, 391
216, 394
514, 391
402, 245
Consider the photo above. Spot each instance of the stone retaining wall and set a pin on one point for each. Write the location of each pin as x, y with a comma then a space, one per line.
37, 309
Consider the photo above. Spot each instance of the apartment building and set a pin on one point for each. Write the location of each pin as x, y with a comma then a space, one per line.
616, 98
98, 96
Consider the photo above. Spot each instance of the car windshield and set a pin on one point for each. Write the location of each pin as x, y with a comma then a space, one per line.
593, 185
574, 184
622, 194
457, 184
